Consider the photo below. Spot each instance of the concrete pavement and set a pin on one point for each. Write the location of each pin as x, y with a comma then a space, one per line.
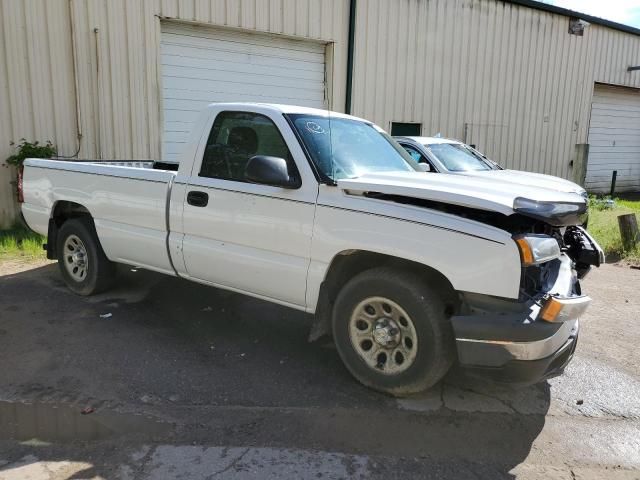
191, 382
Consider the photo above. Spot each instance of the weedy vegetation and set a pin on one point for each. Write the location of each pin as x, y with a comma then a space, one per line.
21, 243
603, 225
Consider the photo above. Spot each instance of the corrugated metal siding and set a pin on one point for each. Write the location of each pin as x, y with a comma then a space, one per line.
615, 52
507, 78
513, 76
119, 54
37, 93
117, 57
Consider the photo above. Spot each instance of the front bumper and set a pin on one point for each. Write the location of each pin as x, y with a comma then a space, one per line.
519, 362
522, 342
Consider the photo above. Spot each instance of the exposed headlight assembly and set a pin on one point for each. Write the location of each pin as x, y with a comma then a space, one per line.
537, 249
555, 213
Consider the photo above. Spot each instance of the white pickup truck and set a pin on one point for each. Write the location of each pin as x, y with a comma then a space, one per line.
325, 213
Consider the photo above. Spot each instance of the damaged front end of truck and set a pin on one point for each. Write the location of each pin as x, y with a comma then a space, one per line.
533, 337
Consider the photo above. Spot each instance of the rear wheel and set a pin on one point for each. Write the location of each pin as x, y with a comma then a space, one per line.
84, 267
392, 333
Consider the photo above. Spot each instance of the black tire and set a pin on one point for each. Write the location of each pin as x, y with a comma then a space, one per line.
435, 345
100, 271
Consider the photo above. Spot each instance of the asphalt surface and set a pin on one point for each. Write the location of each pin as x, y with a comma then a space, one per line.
178, 380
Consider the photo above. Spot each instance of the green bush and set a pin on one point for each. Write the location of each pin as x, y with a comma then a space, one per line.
31, 150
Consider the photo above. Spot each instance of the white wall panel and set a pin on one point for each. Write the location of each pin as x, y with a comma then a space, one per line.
614, 138
201, 65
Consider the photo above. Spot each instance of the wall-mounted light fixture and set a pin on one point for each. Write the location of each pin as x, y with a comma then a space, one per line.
577, 26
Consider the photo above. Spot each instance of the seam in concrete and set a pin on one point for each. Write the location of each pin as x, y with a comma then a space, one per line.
512, 410
139, 471
231, 465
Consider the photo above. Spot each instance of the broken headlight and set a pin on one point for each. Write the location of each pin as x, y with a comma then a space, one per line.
537, 249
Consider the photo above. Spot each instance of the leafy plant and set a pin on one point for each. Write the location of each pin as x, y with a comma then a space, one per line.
27, 149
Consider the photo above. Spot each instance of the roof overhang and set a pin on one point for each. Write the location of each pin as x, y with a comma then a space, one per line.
571, 13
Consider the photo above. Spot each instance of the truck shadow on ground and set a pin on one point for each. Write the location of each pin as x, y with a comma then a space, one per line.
224, 369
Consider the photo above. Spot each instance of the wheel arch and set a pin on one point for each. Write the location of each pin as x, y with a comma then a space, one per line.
61, 211
348, 263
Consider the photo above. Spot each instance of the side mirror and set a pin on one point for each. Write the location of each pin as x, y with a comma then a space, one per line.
271, 171
424, 167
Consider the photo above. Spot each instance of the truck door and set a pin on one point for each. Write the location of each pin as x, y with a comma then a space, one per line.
248, 237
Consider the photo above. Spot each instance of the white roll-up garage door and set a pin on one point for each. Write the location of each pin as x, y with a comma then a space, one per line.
614, 139
202, 65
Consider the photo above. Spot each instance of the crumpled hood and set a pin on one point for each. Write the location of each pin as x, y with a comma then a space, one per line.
485, 193
526, 178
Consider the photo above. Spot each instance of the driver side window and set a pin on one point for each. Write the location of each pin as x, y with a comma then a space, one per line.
235, 138
415, 154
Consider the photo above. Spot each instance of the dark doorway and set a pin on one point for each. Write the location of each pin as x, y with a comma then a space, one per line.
406, 129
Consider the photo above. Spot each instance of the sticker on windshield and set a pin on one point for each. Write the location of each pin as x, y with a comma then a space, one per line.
313, 127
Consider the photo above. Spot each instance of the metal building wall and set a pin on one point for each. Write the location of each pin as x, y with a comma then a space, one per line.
113, 48
507, 78
37, 93
117, 44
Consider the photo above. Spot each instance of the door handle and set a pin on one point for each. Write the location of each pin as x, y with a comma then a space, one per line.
197, 199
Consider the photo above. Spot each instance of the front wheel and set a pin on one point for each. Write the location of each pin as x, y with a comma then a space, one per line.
392, 332
84, 267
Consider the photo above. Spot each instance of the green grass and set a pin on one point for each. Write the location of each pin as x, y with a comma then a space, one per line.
19, 242
603, 225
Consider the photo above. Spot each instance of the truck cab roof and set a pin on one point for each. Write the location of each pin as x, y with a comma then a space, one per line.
282, 109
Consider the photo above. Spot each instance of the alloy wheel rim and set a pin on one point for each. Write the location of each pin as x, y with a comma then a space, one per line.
75, 256
383, 335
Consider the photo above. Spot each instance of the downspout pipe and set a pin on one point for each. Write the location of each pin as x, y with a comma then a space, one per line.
350, 49
74, 55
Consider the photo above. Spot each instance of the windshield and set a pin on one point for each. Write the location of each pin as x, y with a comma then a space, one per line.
459, 158
345, 148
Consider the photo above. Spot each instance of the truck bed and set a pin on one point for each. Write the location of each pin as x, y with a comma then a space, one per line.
127, 200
